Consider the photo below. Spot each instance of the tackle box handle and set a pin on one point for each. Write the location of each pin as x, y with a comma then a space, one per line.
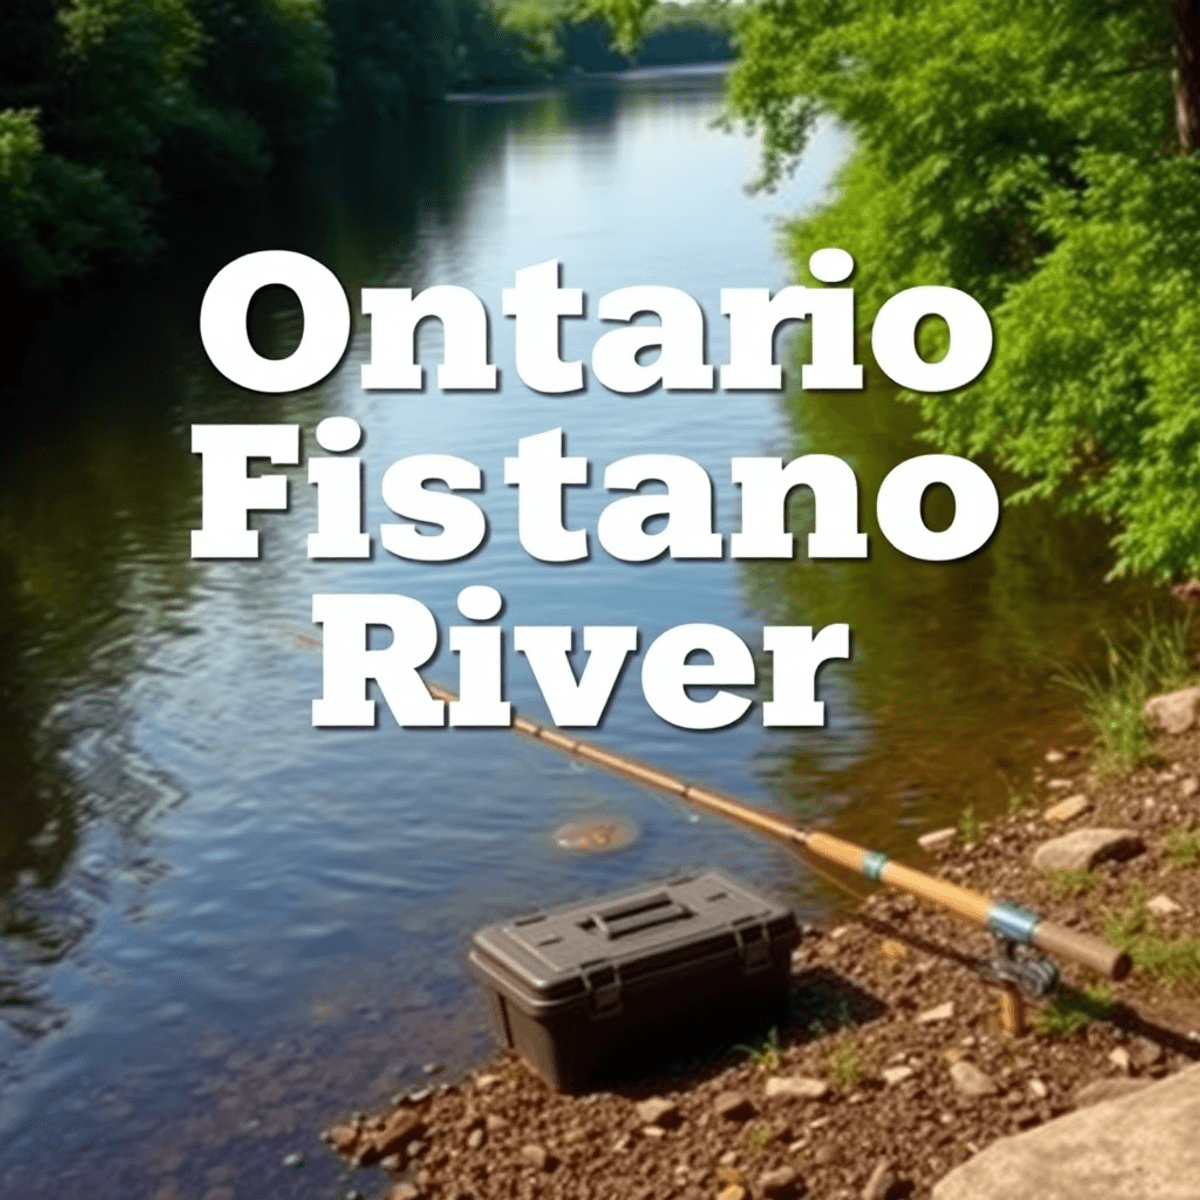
636, 915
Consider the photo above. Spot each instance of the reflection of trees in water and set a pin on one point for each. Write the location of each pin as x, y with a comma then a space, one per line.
100, 491
950, 681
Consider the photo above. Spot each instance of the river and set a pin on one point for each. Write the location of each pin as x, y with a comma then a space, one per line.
223, 927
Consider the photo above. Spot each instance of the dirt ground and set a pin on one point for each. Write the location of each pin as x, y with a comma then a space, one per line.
893, 1066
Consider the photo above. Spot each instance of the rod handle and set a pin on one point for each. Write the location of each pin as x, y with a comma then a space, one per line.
1082, 948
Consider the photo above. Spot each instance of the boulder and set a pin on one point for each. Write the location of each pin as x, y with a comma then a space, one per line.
1139, 1147
1084, 848
1173, 712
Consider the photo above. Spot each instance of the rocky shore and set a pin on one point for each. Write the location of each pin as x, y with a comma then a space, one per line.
891, 1069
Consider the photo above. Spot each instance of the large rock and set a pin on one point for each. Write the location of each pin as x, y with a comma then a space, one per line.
1140, 1147
1084, 848
1173, 712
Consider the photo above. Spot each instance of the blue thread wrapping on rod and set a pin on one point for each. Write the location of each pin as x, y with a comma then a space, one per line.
873, 863
1012, 921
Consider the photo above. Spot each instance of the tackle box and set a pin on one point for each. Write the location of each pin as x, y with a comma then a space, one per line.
578, 991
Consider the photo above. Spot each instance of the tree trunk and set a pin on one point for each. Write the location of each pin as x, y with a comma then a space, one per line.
1187, 73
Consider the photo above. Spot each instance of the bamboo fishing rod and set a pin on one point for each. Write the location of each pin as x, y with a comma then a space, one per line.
1007, 921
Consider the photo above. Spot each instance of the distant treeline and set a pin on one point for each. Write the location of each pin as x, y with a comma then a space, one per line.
108, 107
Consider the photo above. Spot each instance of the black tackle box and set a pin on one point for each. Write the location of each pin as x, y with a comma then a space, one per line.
582, 992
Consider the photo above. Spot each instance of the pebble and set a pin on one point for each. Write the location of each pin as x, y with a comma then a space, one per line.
1163, 906
495, 1122
1055, 756
734, 1106
404, 1190
1120, 1059
295, 1160
796, 1087
943, 1012
895, 1075
880, 1181
937, 839
475, 1138
727, 1173
1038, 1090
970, 1081
1189, 787
432, 1068
732, 1191
483, 1082
658, 1111
779, 1184
1068, 809
537, 1156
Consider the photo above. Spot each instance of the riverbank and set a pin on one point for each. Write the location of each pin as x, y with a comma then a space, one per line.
891, 1069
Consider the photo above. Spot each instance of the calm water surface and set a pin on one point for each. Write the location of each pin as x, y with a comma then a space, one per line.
222, 927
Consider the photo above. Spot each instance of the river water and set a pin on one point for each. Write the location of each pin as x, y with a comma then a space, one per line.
223, 927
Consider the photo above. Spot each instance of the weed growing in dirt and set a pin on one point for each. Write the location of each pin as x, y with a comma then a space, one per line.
969, 826
1072, 1011
758, 1137
768, 1054
845, 1063
1182, 848
1154, 660
1135, 930
1072, 881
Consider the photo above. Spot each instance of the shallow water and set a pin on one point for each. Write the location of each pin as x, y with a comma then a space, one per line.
222, 926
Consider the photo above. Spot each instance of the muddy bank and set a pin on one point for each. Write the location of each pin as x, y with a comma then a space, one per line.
891, 1068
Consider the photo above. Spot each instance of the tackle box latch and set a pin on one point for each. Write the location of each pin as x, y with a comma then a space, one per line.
754, 948
604, 990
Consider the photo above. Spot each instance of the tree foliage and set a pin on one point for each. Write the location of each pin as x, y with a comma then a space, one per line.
1040, 155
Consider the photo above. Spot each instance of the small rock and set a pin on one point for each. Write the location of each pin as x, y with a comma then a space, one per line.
483, 1082
476, 1138
432, 1068
495, 1122
405, 1190
1038, 1090
658, 1111
729, 1158
943, 1012
732, 1191
1189, 787
1084, 848
937, 839
796, 1087
657, 1132
880, 1181
893, 950
970, 1081
734, 1106
1107, 1089
1147, 1053
343, 1138
895, 1075
780, 1184
1163, 906
1068, 809
1120, 1059
294, 1160
538, 1157
1060, 785
1173, 712
727, 1173
1055, 756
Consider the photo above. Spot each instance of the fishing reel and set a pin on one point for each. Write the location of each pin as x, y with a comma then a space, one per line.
1015, 963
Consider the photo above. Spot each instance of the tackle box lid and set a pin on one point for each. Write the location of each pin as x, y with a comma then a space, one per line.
550, 957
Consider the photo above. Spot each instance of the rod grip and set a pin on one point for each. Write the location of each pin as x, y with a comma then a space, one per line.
1082, 948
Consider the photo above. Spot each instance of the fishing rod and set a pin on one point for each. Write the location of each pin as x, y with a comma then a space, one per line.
1016, 931
1011, 925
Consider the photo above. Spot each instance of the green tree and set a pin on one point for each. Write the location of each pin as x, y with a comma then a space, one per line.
1041, 156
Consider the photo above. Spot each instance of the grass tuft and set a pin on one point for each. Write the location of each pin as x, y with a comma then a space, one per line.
1135, 929
1071, 1011
1072, 881
1154, 660
845, 1063
768, 1054
969, 826
1182, 848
